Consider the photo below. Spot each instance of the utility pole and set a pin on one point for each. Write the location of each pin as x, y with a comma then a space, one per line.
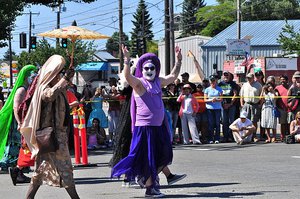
30, 25
167, 38
58, 21
10, 59
238, 15
172, 36
121, 56
30, 19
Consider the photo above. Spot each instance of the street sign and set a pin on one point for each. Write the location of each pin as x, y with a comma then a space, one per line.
237, 47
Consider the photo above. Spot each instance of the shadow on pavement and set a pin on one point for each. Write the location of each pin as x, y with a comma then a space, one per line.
216, 195
190, 185
94, 180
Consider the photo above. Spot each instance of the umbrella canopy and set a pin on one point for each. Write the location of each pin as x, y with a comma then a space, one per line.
73, 33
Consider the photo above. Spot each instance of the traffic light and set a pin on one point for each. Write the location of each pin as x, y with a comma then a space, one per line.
32, 42
64, 43
23, 40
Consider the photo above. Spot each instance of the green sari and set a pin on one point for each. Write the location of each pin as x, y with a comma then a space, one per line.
6, 114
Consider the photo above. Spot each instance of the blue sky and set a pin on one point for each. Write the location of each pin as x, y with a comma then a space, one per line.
100, 16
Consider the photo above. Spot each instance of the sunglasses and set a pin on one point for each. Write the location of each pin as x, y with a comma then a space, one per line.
146, 68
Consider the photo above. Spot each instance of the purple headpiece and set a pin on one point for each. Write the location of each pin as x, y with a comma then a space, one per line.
146, 58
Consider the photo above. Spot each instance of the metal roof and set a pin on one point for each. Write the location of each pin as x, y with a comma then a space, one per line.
260, 32
104, 56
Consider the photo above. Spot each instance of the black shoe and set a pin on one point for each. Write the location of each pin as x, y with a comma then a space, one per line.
175, 178
22, 178
13, 171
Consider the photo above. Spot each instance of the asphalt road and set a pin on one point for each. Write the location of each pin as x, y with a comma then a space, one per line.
213, 171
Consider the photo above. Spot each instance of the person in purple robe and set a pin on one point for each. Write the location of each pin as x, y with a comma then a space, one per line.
151, 146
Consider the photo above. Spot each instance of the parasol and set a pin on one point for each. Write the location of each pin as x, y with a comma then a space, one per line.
73, 32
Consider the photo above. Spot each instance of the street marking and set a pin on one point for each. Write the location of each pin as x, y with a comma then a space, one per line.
197, 149
296, 157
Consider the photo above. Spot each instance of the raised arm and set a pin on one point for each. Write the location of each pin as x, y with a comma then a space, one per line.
198, 67
175, 71
134, 82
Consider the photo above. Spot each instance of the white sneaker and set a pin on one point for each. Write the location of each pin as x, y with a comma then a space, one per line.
216, 142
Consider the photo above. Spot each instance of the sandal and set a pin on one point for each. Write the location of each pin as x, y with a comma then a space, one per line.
267, 141
273, 140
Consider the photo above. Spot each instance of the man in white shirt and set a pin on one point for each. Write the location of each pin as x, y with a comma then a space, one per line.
242, 129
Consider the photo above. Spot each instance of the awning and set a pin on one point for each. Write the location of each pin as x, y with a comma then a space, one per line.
92, 66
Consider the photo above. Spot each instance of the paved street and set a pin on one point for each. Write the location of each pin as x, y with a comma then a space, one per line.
213, 171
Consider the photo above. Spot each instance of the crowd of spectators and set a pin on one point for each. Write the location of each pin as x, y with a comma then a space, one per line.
223, 106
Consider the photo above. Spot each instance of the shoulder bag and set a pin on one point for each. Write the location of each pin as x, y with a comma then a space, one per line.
46, 137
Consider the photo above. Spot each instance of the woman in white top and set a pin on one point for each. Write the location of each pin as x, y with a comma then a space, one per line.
295, 127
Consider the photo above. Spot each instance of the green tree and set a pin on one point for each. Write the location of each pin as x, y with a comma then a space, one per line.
112, 44
271, 10
10, 9
152, 47
289, 39
6, 55
189, 25
217, 18
83, 53
141, 32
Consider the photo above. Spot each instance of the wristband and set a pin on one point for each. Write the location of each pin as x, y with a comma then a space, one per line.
127, 62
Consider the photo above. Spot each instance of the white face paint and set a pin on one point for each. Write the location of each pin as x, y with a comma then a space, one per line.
149, 71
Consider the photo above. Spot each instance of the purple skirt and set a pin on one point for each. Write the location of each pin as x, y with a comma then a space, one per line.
150, 151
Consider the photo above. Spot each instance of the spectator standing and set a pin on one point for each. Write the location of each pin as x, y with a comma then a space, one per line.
97, 110
86, 95
201, 116
250, 98
1, 104
230, 93
282, 105
188, 110
172, 106
113, 111
242, 129
268, 119
294, 91
185, 80
213, 99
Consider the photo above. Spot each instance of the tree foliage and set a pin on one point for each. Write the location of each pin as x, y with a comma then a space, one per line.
10, 9
83, 53
289, 39
218, 17
141, 32
189, 24
112, 44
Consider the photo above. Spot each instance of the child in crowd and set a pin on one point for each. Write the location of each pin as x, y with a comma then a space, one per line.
188, 110
268, 119
96, 136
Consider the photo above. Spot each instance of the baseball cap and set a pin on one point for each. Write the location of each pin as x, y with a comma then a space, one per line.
226, 72
296, 74
243, 114
187, 86
250, 75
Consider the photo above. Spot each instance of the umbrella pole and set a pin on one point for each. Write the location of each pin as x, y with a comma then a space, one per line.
72, 54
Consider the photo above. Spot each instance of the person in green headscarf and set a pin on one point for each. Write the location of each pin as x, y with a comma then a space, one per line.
9, 136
